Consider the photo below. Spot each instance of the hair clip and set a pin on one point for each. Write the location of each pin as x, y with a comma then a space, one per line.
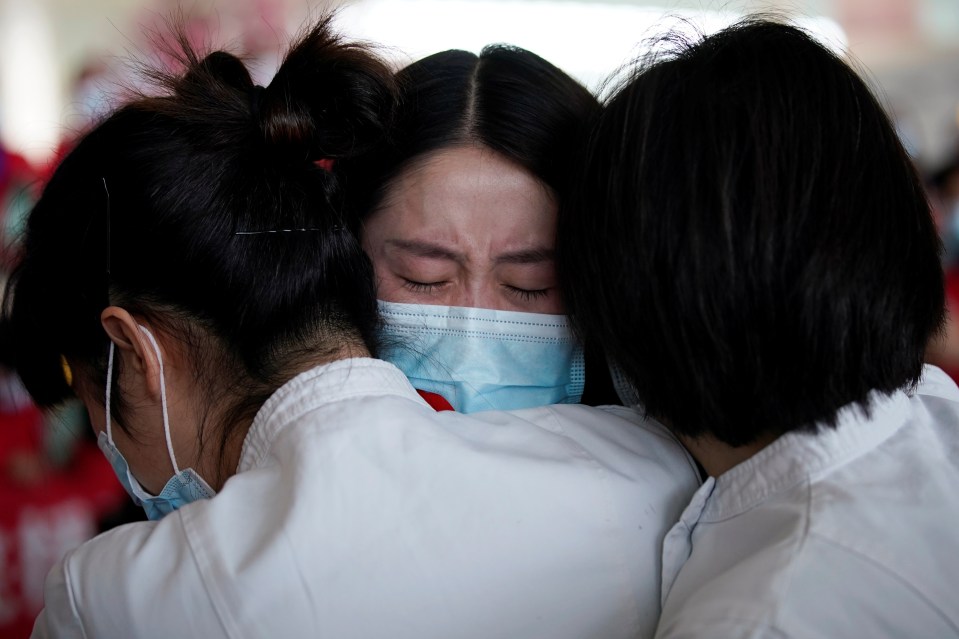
108, 216
67, 371
279, 231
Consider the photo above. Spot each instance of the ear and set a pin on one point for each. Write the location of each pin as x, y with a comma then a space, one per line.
133, 346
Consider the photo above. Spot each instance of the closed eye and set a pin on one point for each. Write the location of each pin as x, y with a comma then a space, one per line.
527, 295
421, 287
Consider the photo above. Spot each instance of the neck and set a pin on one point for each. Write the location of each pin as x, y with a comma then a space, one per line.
318, 357
225, 462
718, 457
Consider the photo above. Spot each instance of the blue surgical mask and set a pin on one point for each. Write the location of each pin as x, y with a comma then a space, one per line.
184, 487
482, 359
624, 388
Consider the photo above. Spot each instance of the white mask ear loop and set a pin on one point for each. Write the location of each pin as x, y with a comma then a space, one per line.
109, 385
166, 417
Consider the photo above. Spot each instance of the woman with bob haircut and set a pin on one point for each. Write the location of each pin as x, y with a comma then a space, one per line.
188, 273
763, 265
458, 214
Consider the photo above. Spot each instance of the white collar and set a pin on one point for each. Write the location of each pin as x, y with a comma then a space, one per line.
799, 456
315, 388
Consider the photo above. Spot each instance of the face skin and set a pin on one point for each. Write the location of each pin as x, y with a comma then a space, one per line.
466, 227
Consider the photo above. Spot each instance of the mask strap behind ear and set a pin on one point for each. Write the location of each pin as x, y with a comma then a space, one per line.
166, 417
109, 386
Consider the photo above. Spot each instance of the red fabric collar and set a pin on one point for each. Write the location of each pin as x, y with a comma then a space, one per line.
437, 402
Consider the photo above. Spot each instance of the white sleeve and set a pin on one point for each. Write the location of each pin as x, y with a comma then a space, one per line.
137, 581
59, 618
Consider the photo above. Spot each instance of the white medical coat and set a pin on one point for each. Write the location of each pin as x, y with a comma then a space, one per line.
358, 511
850, 533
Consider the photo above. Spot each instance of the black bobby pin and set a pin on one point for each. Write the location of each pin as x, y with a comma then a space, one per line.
107, 191
334, 229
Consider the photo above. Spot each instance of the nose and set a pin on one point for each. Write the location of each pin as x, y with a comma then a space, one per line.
478, 292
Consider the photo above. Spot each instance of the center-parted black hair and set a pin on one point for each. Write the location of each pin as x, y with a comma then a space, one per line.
202, 209
507, 99
761, 251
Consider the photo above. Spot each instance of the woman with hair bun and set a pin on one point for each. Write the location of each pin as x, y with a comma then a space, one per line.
187, 273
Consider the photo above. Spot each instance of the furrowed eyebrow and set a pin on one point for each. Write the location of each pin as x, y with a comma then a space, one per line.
435, 251
528, 256
426, 249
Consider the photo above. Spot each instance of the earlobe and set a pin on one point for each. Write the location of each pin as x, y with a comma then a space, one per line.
132, 346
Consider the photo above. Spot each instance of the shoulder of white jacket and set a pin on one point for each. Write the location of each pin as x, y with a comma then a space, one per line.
88, 581
614, 414
632, 429
119, 579
937, 383
100, 570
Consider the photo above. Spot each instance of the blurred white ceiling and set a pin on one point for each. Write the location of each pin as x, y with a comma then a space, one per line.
909, 48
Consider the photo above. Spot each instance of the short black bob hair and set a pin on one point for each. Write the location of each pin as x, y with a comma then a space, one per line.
507, 99
203, 209
761, 252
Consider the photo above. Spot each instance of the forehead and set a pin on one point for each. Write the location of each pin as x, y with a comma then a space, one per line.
470, 191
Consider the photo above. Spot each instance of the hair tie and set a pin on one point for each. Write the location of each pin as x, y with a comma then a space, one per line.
256, 101
67, 372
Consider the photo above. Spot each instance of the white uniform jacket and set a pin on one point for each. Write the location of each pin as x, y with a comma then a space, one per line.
851, 533
358, 511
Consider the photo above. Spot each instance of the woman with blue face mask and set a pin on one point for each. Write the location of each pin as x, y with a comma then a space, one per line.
188, 274
459, 218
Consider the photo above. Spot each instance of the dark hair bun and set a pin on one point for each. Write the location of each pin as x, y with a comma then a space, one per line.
225, 67
329, 99
201, 195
